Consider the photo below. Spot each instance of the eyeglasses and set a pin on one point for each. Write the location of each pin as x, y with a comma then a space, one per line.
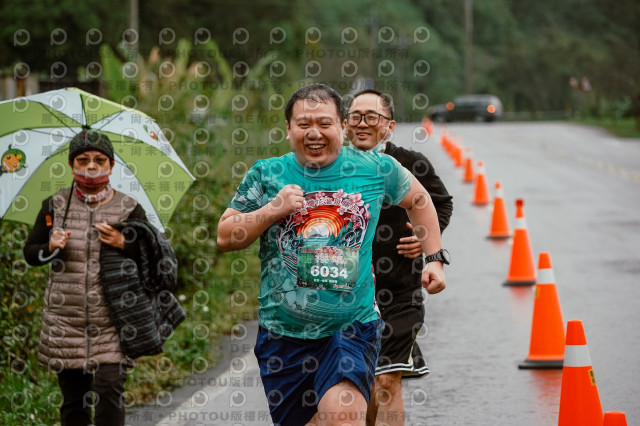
370, 118
84, 160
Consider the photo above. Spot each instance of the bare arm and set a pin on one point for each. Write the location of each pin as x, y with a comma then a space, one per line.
424, 219
238, 230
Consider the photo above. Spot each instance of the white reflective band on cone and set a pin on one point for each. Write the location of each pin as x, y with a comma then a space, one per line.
576, 356
521, 223
500, 193
545, 276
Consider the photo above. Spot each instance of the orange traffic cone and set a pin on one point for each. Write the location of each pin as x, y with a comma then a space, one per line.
428, 125
468, 167
448, 146
453, 149
579, 399
546, 348
459, 157
499, 222
521, 269
481, 197
614, 418
444, 141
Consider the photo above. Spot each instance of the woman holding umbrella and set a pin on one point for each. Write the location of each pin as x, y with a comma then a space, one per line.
79, 340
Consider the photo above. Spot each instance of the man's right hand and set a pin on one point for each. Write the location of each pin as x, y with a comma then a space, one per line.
410, 247
289, 199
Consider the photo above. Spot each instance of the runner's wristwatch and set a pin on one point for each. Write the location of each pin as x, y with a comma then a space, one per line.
442, 256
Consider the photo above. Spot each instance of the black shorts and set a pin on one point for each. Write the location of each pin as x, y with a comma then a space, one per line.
403, 320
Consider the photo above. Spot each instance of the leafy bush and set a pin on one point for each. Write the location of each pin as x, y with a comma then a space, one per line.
29, 394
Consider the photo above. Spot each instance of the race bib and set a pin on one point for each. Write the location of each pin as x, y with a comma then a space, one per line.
328, 267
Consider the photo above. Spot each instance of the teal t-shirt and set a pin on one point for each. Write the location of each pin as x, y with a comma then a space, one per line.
316, 275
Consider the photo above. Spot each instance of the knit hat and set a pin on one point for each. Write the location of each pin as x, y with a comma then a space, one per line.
90, 140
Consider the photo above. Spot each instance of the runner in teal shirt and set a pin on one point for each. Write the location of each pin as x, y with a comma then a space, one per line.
315, 211
317, 295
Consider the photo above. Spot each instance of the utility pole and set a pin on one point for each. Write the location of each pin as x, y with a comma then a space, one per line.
133, 24
373, 21
468, 46
401, 46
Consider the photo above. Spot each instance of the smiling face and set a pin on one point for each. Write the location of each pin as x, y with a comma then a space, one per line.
315, 132
364, 136
12, 160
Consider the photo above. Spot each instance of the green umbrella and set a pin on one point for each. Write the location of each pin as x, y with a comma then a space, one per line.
34, 136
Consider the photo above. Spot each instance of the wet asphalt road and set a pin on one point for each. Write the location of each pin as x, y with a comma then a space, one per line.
582, 203
582, 198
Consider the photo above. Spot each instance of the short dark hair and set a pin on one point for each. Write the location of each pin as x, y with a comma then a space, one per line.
318, 92
387, 100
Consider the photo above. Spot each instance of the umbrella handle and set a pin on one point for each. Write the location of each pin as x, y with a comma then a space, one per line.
43, 259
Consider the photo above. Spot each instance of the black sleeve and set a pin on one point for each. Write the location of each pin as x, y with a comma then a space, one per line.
38, 240
131, 247
138, 214
442, 201
424, 171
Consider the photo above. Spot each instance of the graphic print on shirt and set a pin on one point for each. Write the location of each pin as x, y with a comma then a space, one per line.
319, 242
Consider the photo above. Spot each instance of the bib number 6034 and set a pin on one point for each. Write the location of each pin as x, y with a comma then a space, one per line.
328, 271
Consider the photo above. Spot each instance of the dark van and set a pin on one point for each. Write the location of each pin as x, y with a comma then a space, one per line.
468, 107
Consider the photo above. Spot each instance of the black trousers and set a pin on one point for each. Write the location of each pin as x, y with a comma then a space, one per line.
102, 389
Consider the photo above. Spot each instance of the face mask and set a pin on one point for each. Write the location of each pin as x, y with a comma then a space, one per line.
380, 147
91, 181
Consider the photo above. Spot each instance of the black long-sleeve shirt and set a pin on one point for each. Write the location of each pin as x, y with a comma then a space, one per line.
394, 272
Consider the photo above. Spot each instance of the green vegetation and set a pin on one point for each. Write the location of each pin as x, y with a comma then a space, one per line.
26, 389
622, 127
217, 290
529, 55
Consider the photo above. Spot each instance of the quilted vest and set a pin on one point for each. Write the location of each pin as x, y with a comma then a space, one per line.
77, 330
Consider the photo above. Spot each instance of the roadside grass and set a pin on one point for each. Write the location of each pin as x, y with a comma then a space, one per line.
620, 127
29, 398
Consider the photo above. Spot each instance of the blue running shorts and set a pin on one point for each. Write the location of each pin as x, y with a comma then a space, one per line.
296, 373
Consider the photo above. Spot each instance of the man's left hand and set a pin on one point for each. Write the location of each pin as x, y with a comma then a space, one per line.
433, 279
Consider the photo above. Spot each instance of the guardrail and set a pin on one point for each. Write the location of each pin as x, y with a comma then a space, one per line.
535, 115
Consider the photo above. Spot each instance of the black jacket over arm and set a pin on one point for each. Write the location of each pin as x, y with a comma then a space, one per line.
139, 290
